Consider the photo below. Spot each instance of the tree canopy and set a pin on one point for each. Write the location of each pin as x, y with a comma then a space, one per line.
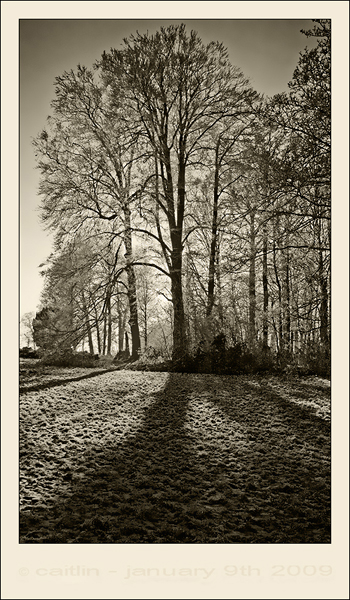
164, 161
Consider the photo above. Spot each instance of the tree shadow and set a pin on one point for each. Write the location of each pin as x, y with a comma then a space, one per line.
177, 480
36, 387
288, 462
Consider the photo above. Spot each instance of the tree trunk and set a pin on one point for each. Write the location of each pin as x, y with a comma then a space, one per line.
219, 288
132, 297
88, 328
121, 324
179, 330
179, 334
127, 350
104, 333
279, 287
214, 233
274, 327
252, 291
91, 344
109, 326
323, 289
265, 291
180, 342
286, 299
324, 304
145, 326
97, 331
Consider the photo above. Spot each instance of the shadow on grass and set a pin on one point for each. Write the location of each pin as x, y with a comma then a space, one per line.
289, 461
170, 484
35, 387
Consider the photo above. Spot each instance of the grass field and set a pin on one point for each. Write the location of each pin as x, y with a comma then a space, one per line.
132, 457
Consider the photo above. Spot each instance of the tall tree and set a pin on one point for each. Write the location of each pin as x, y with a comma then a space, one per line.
27, 330
304, 114
85, 161
177, 90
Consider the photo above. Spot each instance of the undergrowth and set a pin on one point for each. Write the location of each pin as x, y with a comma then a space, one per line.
216, 358
239, 359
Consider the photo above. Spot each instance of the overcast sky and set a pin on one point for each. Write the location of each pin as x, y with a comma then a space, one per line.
266, 51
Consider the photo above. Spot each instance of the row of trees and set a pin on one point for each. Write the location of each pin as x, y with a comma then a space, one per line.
184, 204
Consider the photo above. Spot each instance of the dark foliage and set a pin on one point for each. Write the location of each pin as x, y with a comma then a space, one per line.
122, 356
69, 358
234, 360
317, 361
239, 359
27, 352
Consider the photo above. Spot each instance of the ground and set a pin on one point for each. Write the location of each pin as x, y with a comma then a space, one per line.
135, 457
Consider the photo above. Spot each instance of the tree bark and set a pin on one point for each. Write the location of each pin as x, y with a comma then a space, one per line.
214, 233
97, 332
175, 221
132, 297
179, 330
109, 325
265, 291
104, 339
286, 299
121, 325
145, 326
88, 328
127, 350
252, 282
279, 287
324, 297
179, 334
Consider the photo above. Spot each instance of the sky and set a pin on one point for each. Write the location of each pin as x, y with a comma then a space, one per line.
266, 51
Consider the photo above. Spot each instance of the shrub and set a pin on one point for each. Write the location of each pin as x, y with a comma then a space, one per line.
217, 359
105, 359
237, 359
150, 359
27, 352
123, 355
186, 364
316, 360
67, 357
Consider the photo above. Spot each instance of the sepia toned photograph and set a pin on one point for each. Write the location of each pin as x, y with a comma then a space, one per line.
175, 282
